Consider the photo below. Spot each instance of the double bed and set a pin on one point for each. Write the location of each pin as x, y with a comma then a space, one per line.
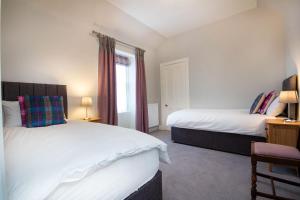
225, 130
79, 160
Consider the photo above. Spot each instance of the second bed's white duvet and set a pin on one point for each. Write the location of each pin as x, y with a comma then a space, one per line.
40, 160
228, 121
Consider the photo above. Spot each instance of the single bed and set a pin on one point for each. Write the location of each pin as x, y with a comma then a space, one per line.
79, 160
226, 121
225, 130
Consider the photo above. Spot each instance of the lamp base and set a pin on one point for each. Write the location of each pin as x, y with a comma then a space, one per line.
86, 114
292, 115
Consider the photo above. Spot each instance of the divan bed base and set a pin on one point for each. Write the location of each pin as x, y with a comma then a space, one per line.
227, 142
152, 190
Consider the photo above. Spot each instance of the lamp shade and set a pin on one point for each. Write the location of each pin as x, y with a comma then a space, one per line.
288, 97
86, 101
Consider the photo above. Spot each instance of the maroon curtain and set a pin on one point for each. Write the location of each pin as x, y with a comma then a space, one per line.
142, 123
107, 95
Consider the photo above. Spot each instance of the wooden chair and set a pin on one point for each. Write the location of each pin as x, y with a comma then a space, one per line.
276, 154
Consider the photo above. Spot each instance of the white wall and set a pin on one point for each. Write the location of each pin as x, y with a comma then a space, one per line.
48, 41
2, 163
232, 60
2, 160
289, 10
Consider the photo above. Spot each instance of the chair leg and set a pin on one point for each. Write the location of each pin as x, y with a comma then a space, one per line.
253, 178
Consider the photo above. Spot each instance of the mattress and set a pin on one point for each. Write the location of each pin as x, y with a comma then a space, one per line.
227, 121
105, 162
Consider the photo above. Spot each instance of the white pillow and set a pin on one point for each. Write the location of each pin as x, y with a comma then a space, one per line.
276, 108
12, 113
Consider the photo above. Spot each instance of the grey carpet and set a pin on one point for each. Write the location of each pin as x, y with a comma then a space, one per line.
201, 174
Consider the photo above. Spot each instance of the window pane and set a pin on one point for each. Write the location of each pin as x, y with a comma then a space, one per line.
121, 73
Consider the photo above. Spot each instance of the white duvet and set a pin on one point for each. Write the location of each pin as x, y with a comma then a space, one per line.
228, 121
39, 160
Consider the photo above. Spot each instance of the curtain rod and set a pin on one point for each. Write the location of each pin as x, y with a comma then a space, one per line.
97, 34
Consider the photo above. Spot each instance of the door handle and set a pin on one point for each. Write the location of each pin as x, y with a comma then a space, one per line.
166, 105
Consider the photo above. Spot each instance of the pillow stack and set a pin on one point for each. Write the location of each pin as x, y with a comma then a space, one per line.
269, 104
34, 111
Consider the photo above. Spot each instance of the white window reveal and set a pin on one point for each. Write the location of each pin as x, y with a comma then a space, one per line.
125, 81
122, 88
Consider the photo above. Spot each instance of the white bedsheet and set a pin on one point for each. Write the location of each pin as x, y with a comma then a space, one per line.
114, 182
228, 121
40, 160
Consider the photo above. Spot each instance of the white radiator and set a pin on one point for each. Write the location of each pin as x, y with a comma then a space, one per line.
153, 115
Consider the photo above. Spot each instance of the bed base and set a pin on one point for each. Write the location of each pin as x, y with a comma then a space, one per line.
152, 190
227, 142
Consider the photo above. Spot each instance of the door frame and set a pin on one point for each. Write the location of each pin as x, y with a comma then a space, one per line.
164, 64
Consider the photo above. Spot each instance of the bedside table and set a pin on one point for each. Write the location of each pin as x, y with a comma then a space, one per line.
281, 132
95, 119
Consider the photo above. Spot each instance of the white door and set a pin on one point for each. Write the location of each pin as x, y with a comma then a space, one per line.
174, 78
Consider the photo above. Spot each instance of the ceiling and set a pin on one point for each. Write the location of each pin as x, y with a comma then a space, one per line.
172, 17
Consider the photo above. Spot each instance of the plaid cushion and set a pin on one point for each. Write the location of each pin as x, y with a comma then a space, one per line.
21, 100
44, 111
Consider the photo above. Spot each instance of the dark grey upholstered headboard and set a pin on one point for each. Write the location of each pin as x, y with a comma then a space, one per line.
291, 83
11, 90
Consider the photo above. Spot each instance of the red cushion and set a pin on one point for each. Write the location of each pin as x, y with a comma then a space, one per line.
22, 109
276, 150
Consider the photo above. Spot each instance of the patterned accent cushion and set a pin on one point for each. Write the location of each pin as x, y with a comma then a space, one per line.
268, 100
257, 103
44, 111
21, 100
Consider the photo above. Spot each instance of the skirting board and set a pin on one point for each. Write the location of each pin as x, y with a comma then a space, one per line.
153, 129
164, 128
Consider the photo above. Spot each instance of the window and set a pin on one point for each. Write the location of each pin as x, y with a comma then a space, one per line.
122, 88
126, 86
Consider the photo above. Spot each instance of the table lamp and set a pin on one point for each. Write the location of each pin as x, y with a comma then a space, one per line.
291, 98
86, 102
